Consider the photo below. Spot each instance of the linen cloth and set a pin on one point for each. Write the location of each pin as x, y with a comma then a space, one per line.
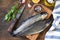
54, 31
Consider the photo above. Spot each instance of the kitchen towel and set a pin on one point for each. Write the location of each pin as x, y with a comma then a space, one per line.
54, 31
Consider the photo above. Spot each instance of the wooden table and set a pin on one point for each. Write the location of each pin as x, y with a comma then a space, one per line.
5, 5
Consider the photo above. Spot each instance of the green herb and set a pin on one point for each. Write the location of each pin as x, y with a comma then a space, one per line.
6, 17
19, 11
11, 14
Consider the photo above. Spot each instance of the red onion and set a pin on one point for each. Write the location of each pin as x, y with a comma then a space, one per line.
23, 1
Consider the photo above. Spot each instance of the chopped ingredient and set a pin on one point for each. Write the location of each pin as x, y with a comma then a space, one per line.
29, 5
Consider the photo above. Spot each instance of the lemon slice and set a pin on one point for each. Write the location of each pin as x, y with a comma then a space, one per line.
49, 2
35, 1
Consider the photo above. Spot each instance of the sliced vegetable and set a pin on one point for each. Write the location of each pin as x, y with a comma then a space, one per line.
35, 1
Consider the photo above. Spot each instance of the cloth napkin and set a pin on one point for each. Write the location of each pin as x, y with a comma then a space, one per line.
54, 31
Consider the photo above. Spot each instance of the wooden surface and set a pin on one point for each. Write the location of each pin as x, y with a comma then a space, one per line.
5, 5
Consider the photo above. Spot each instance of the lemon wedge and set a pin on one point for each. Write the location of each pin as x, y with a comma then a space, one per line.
35, 1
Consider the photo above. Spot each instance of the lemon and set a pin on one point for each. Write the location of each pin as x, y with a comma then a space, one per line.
35, 1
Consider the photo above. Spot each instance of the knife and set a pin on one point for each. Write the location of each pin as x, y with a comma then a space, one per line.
10, 29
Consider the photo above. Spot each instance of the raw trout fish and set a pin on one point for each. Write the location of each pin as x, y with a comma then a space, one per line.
26, 25
36, 27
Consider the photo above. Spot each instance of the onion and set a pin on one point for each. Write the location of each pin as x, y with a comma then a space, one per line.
29, 5
23, 1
